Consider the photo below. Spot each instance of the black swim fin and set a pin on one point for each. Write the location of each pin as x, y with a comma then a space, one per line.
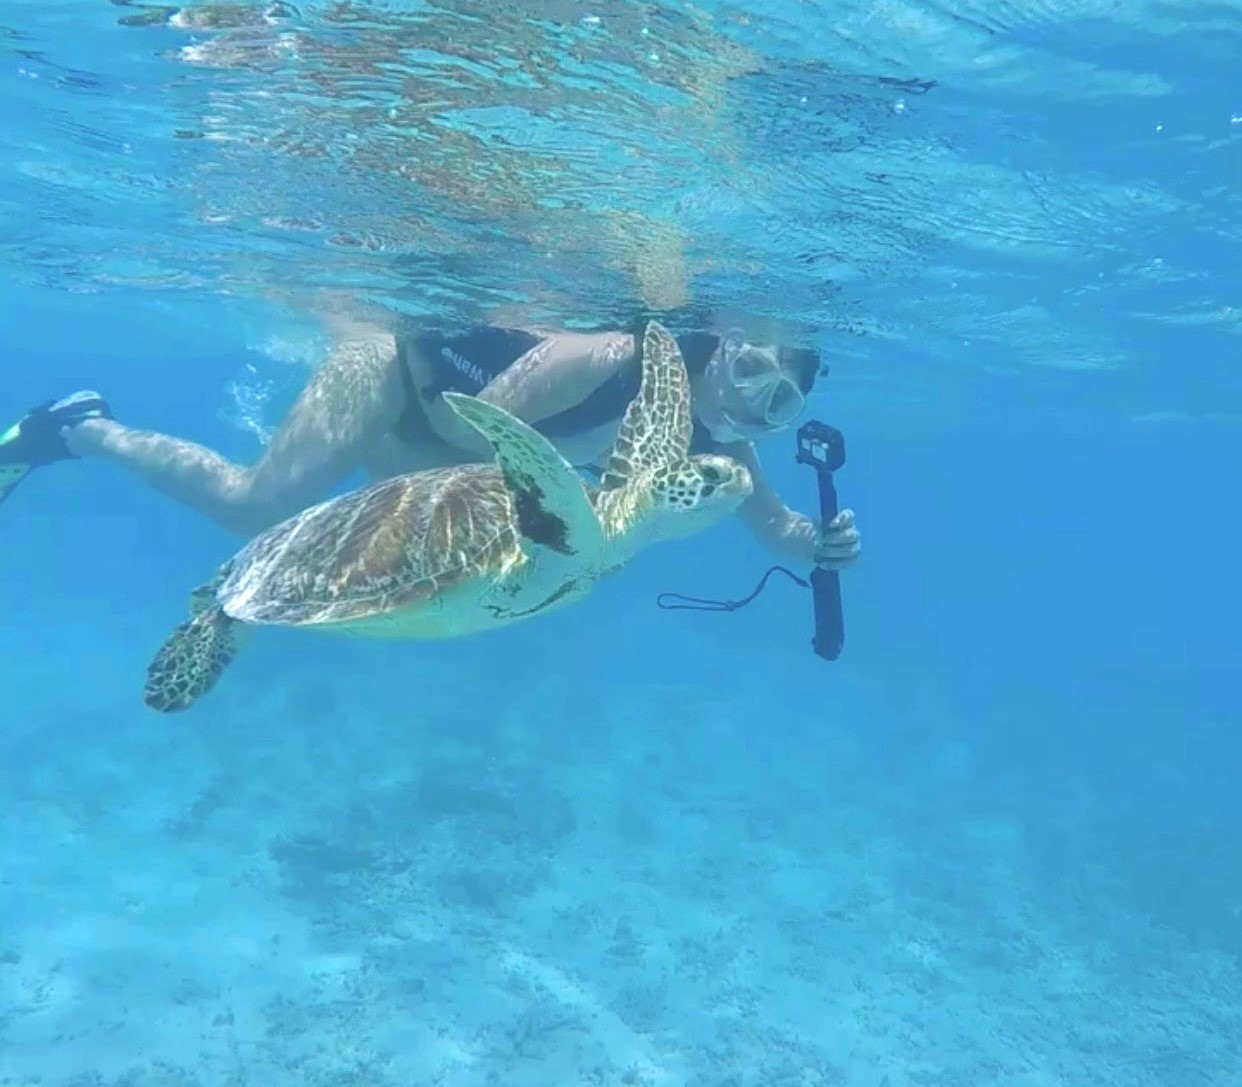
37, 438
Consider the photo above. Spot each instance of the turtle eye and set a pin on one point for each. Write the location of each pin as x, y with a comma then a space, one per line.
712, 473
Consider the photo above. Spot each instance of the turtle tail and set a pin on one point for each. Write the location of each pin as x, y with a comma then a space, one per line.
190, 661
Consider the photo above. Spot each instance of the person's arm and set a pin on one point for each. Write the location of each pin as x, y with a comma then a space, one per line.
787, 533
558, 373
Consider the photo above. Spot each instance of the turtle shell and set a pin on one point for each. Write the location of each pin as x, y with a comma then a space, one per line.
382, 548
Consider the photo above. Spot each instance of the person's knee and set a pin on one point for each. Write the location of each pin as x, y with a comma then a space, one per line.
250, 506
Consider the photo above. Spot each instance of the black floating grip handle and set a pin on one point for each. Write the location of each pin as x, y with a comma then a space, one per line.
823, 448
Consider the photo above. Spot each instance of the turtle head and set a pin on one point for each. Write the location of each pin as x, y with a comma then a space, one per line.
673, 500
695, 494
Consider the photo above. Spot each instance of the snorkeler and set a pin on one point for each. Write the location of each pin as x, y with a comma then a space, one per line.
375, 405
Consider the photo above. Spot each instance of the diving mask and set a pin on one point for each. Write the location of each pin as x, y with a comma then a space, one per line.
758, 396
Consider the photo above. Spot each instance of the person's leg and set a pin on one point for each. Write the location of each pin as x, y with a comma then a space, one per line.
356, 395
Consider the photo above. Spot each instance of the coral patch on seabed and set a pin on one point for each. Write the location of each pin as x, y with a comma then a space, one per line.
294, 890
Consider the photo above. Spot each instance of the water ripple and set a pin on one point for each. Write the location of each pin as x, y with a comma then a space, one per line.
1008, 173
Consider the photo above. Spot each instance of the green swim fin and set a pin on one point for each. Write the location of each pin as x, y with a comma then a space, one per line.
37, 438
14, 466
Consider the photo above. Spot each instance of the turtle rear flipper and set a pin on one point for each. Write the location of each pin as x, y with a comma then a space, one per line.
203, 597
190, 661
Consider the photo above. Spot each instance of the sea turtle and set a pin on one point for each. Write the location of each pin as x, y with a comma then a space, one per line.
454, 551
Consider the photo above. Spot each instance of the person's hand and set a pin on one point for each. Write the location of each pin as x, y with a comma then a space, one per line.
838, 543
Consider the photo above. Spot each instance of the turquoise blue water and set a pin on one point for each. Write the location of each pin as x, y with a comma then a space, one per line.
995, 844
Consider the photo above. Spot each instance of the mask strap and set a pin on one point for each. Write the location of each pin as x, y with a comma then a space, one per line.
731, 344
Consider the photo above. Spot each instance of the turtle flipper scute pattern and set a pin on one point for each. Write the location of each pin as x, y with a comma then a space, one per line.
190, 661
658, 424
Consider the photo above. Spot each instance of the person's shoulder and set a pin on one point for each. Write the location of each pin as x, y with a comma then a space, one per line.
701, 441
697, 348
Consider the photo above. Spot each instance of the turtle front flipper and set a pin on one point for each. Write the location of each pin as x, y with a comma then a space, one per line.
657, 427
551, 505
653, 487
190, 661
